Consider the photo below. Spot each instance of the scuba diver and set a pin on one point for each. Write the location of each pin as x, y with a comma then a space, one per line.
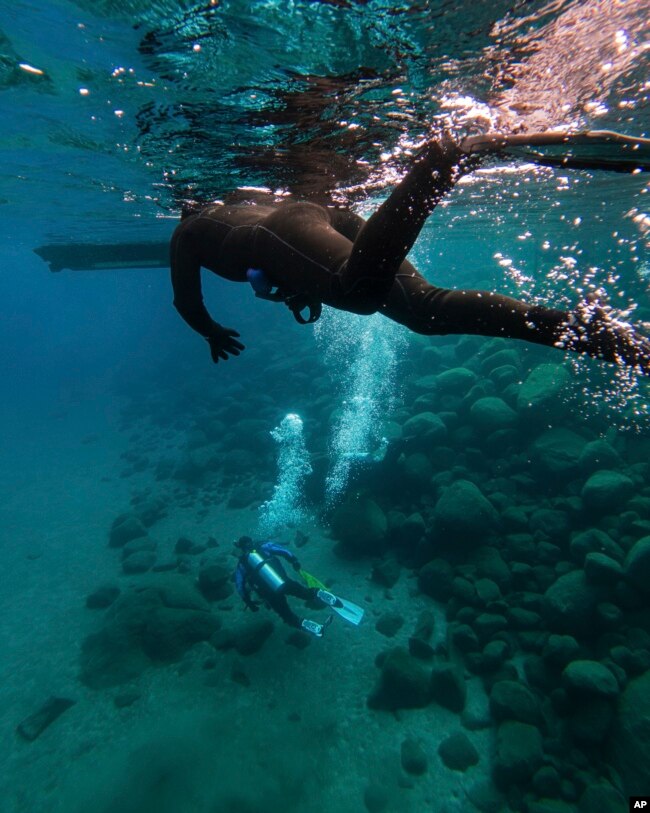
260, 570
306, 255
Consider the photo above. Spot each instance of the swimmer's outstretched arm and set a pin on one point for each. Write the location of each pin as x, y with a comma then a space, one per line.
188, 295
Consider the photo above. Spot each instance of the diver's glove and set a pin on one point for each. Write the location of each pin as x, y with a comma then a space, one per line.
223, 342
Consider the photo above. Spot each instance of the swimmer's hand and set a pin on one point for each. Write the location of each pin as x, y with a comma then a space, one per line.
223, 343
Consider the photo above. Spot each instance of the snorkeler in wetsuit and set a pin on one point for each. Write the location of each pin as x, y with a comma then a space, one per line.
316, 255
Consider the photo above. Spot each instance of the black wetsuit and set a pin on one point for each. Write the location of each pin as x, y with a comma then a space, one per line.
335, 257
247, 577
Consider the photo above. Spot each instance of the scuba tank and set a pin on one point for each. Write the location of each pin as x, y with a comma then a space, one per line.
263, 572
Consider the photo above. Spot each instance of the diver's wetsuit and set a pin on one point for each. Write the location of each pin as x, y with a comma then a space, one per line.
246, 577
335, 257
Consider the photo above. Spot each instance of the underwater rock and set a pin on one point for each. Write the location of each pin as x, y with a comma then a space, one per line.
448, 687
547, 782
541, 394
360, 525
603, 797
507, 356
598, 454
550, 806
417, 470
455, 381
557, 451
602, 570
637, 565
139, 562
214, 582
594, 540
606, 491
406, 532
158, 622
403, 683
485, 797
491, 414
389, 624
375, 798
510, 700
519, 753
242, 496
464, 638
127, 698
125, 527
251, 637
102, 597
150, 510
630, 739
33, 726
569, 605
457, 752
436, 578
142, 543
187, 547
589, 677
551, 522
413, 757
591, 720
426, 428
560, 650
386, 572
490, 564
463, 512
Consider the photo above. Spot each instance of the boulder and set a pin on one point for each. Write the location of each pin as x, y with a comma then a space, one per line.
510, 700
157, 622
436, 579
125, 528
463, 512
569, 605
541, 394
360, 525
403, 683
425, 427
413, 757
599, 455
214, 582
456, 381
519, 753
591, 677
389, 624
457, 752
630, 738
448, 687
491, 414
102, 597
606, 491
637, 565
139, 562
250, 637
557, 451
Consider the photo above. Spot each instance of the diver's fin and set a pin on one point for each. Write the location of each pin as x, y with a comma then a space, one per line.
589, 149
351, 612
346, 609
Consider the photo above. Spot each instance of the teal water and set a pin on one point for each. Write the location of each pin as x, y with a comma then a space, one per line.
500, 549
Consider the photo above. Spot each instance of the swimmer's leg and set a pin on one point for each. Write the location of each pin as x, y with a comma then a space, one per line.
386, 238
589, 329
